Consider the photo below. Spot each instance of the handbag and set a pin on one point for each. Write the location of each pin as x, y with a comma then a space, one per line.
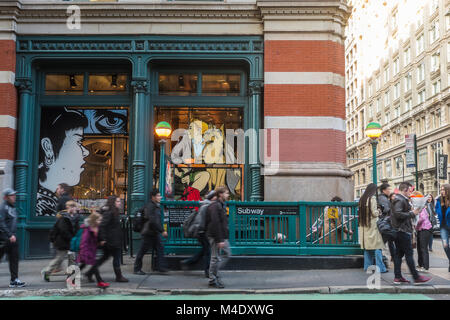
386, 229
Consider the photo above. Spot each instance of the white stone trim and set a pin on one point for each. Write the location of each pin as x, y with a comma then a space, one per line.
304, 78
6, 174
313, 36
8, 122
7, 77
291, 122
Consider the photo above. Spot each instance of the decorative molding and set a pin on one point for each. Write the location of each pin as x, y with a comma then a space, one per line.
24, 85
255, 87
140, 86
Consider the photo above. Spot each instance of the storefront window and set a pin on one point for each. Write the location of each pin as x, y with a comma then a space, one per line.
86, 148
107, 84
178, 84
56, 84
221, 84
206, 151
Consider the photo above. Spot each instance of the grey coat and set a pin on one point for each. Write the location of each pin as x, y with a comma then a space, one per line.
385, 204
8, 220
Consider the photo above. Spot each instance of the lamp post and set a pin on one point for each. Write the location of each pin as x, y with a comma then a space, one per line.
163, 131
373, 131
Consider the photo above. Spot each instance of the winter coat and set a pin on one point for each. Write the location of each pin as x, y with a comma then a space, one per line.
88, 246
385, 204
369, 237
110, 229
8, 220
152, 226
217, 222
61, 205
62, 232
402, 215
439, 212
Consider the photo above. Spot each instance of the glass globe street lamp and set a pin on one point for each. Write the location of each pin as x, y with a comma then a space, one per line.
163, 131
373, 131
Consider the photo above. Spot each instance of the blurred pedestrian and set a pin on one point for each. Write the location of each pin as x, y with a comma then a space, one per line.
424, 228
369, 236
110, 237
88, 247
8, 240
443, 212
205, 252
432, 213
217, 233
152, 234
63, 191
385, 205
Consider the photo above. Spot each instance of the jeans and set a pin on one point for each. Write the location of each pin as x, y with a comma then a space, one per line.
374, 257
445, 234
423, 241
148, 242
403, 246
218, 258
205, 252
12, 250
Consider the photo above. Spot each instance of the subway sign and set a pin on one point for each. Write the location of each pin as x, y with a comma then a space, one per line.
277, 211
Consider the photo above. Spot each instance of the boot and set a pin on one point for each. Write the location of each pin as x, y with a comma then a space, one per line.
119, 277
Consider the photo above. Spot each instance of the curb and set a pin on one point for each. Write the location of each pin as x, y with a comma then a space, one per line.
437, 289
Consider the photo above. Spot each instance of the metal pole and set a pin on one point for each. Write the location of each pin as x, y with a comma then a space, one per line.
162, 169
417, 164
374, 160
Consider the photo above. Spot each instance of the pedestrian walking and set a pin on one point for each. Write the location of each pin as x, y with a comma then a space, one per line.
401, 219
152, 234
443, 212
63, 191
369, 236
88, 247
110, 238
64, 229
217, 233
424, 228
205, 252
385, 205
8, 240
432, 213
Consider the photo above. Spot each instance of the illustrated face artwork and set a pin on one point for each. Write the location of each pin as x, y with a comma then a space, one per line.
69, 163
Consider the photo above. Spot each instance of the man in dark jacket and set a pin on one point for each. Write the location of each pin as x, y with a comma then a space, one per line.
151, 235
401, 220
8, 240
64, 229
386, 210
63, 192
217, 233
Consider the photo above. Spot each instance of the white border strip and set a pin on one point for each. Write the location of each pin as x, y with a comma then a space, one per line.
7, 77
290, 122
8, 122
304, 78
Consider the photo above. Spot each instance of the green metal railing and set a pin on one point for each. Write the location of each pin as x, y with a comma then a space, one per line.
259, 228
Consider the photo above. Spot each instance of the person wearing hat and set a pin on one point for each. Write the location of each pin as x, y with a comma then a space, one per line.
8, 240
205, 252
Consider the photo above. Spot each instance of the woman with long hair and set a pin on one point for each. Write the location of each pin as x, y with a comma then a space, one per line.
431, 203
424, 229
110, 237
443, 212
369, 237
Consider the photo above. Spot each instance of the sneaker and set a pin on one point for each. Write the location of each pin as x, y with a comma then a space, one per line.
401, 281
421, 279
46, 276
420, 269
103, 285
207, 274
16, 284
140, 272
216, 284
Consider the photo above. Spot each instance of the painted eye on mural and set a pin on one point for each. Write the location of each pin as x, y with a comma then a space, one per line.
110, 122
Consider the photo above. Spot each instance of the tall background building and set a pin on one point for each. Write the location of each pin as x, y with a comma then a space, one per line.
397, 74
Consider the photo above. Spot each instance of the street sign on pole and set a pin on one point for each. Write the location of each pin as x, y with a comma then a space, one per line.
410, 157
442, 166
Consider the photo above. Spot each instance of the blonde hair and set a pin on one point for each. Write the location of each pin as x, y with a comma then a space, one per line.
71, 204
93, 218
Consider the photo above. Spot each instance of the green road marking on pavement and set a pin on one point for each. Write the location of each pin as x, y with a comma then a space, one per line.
316, 296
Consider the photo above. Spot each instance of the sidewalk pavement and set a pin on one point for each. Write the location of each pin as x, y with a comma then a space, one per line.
243, 282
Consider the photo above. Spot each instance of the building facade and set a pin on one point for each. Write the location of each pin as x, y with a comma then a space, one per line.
83, 85
406, 90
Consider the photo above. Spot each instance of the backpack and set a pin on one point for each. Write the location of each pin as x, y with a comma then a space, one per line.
199, 224
187, 224
139, 220
387, 231
76, 241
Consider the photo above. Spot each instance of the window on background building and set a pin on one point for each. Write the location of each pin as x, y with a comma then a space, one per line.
408, 104
369, 91
396, 65
397, 112
420, 44
419, 18
418, 127
435, 62
437, 149
447, 22
423, 158
377, 83
434, 5
438, 119
378, 105
379, 172
370, 111
436, 87
397, 91
386, 99
423, 125
421, 72
407, 56
399, 166
434, 31
408, 81
371, 173
388, 167
387, 117
421, 97
386, 74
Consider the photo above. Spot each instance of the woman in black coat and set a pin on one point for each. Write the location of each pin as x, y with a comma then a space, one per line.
110, 237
